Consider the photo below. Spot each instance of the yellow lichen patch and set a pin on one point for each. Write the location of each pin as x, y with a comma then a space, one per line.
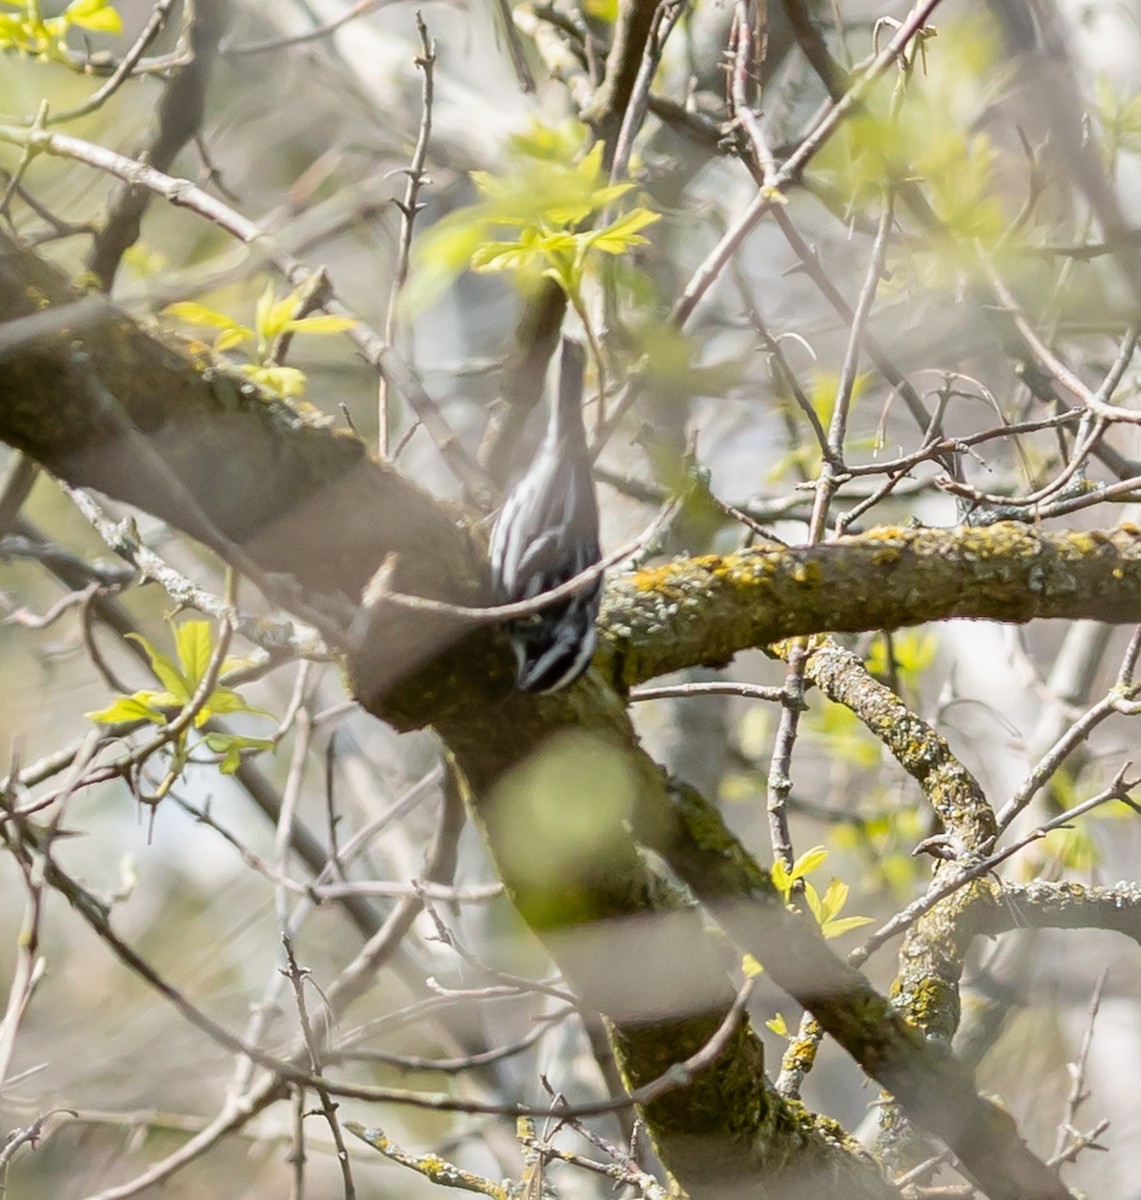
1083, 543
734, 569
884, 533
750, 567
808, 573
662, 580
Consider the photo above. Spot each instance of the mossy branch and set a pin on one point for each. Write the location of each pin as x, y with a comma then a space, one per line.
702, 611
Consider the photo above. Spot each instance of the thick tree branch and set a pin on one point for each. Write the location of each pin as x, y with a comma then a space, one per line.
631, 31
934, 1089
1050, 904
705, 610
145, 419
309, 501
619, 934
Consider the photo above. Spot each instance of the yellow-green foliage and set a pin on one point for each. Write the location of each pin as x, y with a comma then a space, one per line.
272, 319
1120, 120
194, 649
27, 31
827, 908
930, 141
534, 220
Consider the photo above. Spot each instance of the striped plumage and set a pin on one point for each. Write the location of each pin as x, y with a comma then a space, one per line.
546, 533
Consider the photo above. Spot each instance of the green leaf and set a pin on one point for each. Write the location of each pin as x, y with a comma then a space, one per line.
223, 700
230, 338
439, 255
623, 235
165, 671
782, 881
808, 862
549, 143
200, 314
589, 167
323, 323
286, 382
195, 646
556, 245
231, 664
835, 897
194, 642
812, 896
835, 928
127, 708
95, 15
527, 221
270, 314
231, 745
501, 256
778, 1025
569, 279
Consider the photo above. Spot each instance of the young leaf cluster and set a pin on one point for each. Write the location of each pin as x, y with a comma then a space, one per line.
545, 219
273, 318
28, 31
194, 650
827, 908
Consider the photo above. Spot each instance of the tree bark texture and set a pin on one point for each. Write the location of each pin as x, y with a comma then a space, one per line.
152, 421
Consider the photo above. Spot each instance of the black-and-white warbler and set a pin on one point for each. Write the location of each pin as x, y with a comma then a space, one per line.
547, 533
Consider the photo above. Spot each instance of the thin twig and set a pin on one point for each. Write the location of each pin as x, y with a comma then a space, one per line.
1078, 1095
1119, 789
766, 198
377, 591
666, 17
297, 978
360, 9
290, 798
751, 691
154, 26
183, 193
409, 207
1047, 766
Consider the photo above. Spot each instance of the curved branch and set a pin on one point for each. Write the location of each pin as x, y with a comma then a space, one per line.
932, 1086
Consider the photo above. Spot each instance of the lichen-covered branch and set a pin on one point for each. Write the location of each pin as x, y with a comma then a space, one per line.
555, 788
934, 1089
927, 989
158, 426
705, 610
1051, 904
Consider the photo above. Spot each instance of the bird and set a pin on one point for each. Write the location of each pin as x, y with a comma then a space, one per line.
547, 533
